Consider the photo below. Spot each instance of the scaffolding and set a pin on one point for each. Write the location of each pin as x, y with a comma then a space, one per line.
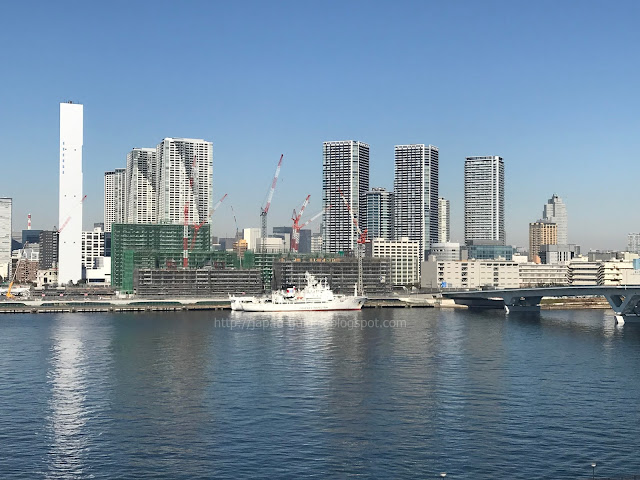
341, 273
135, 246
204, 282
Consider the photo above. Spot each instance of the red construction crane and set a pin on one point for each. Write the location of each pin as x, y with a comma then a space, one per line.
199, 225
265, 210
362, 239
295, 230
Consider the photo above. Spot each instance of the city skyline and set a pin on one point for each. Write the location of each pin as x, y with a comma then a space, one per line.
535, 110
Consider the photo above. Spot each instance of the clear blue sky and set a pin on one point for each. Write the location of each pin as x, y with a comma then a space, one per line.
550, 86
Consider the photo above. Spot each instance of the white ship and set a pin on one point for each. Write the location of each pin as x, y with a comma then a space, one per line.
316, 296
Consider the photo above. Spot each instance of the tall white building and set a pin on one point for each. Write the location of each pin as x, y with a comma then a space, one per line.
444, 222
70, 197
555, 211
140, 190
345, 167
5, 237
380, 213
416, 194
484, 199
184, 177
115, 195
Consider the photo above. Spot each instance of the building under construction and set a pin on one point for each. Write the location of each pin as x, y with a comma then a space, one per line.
152, 246
202, 282
341, 273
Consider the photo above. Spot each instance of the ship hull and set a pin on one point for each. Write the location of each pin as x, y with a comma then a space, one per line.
349, 303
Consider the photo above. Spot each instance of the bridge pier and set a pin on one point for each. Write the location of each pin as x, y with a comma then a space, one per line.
624, 306
518, 303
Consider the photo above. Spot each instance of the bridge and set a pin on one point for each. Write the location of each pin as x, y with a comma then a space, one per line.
624, 300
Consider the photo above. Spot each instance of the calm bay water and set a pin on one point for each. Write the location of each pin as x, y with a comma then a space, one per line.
199, 395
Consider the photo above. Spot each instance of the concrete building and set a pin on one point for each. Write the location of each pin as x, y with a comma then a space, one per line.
380, 213
541, 233
487, 250
618, 273
470, 274
100, 272
47, 277
555, 211
71, 196
5, 237
48, 241
541, 275
444, 220
284, 233
93, 247
416, 194
316, 243
341, 273
583, 272
140, 192
31, 237
272, 244
184, 177
405, 259
115, 197
484, 199
202, 282
558, 254
445, 252
633, 242
345, 168
251, 235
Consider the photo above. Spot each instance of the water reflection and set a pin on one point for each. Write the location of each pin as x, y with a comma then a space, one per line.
68, 412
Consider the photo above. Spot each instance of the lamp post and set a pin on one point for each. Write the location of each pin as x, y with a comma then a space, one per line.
593, 466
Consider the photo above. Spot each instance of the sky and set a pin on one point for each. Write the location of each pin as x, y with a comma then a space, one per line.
550, 86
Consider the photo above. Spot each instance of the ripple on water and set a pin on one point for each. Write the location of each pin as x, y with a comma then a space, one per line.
182, 396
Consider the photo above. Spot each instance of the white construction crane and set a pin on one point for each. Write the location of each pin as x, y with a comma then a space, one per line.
264, 211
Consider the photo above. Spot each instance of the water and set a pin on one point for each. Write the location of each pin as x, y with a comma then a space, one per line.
199, 395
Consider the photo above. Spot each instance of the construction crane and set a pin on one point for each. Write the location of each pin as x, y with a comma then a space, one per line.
264, 211
361, 240
64, 224
295, 230
15, 273
235, 220
197, 227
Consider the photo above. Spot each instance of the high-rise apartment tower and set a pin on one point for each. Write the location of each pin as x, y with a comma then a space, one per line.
115, 197
380, 214
345, 167
140, 194
484, 199
416, 194
184, 178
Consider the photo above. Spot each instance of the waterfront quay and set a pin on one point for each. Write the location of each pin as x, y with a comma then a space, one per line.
174, 304
185, 304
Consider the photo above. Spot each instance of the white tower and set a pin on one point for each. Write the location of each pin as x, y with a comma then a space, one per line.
70, 200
